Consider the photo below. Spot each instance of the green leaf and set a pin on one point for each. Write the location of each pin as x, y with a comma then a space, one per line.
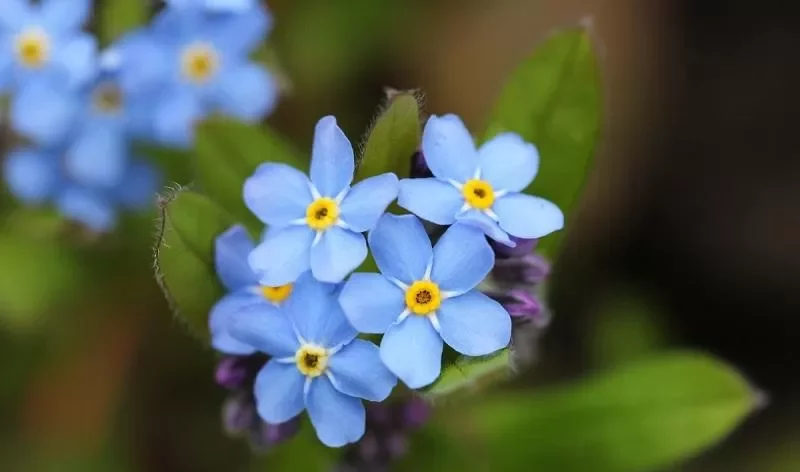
553, 100
393, 139
117, 17
228, 152
190, 223
467, 373
647, 415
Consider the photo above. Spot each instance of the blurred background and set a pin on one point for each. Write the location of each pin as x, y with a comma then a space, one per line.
688, 233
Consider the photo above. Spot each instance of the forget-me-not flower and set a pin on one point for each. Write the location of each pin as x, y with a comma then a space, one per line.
317, 364
315, 224
482, 186
426, 296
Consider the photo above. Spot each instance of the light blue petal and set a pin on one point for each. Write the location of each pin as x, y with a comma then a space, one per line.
142, 180
490, 227
449, 149
77, 59
314, 311
338, 252
175, 117
401, 247
44, 112
431, 199
525, 216
228, 6
279, 392
144, 61
358, 371
239, 34
98, 157
62, 17
412, 350
339, 419
230, 258
371, 303
332, 160
87, 207
32, 176
507, 162
247, 92
266, 328
277, 194
14, 13
367, 201
461, 258
474, 324
222, 317
6, 62
283, 255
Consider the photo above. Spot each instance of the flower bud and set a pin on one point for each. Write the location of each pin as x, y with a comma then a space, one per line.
530, 269
523, 247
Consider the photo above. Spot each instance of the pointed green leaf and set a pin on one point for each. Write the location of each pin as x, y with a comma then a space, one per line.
393, 139
468, 373
553, 100
117, 17
190, 224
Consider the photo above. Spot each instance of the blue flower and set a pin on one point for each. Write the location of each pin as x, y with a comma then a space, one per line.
317, 364
425, 296
479, 186
215, 6
315, 225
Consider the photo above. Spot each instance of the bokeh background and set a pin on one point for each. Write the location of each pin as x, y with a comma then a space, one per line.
688, 233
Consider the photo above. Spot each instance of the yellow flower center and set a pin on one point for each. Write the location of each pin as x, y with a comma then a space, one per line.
32, 48
478, 194
276, 294
423, 297
107, 98
199, 62
311, 360
322, 213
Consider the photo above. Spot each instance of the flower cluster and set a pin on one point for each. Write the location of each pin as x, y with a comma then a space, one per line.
294, 296
79, 109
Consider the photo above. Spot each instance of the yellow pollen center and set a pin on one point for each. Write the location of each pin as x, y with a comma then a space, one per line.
311, 360
107, 98
277, 294
32, 48
423, 297
478, 194
199, 62
322, 214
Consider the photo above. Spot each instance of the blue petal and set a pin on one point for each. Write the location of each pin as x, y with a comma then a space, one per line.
247, 92
44, 112
490, 227
507, 162
98, 156
283, 255
449, 149
401, 247
358, 371
461, 258
77, 60
62, 17
228, 6
87, 207
525, 216
318, 318
339, 419
32, 176
371, 303
230, 258
412, 350
6, 63
144, 61
222, 317
332, 160
14, 13
266, 328
338, 252
367, 201
277, 194
474, 324
141, 184
431, 199
239, 34
279, 392
175, 117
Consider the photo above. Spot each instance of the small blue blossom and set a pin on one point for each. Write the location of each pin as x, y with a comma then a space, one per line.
425, 297
317, 364
482, 186
315, 224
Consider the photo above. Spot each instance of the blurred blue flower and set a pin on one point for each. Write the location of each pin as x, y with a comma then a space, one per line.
482, 186
315, 224
425, 296
317, 364
216, 6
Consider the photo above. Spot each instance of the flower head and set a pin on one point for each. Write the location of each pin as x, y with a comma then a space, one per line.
481, 187
317, 364
425, 297
315, 224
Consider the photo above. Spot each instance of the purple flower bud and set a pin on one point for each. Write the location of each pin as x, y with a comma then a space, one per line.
419, 167
523, 306
397, 445
232, 372
530, 269
368, 448
266, 435
416, 413
523, 247
238, 414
